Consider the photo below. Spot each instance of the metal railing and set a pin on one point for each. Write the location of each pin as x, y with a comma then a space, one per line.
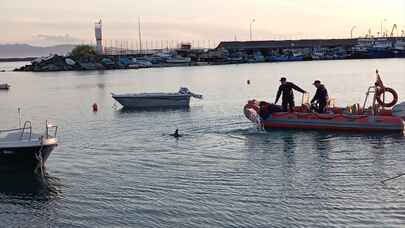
27, 125
371, 90
305, 99
50, 126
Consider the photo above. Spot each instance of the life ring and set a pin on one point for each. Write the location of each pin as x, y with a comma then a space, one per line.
389, 90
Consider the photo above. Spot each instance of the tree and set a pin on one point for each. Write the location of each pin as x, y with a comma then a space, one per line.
83, 51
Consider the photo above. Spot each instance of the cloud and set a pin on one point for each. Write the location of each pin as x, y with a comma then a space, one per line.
48, 40
192, 20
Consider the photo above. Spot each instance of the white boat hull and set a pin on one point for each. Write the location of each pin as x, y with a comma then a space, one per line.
158, 101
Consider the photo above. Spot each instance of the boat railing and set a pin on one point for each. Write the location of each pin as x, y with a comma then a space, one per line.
371, 90
305, 99
27, 129
48, 127
27, 125
10, 130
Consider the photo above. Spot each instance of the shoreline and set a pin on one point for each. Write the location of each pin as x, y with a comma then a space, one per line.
167, 65
227, 52
17, 59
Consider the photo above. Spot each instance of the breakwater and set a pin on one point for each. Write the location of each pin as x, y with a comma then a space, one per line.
234, 52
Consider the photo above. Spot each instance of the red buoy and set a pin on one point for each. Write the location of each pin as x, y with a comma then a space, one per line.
95, 107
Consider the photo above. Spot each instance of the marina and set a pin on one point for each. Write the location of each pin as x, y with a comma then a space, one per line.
222, 172
228, 52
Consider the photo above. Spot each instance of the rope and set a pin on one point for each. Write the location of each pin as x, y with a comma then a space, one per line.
333, 116
38, 156
392, 178
325, 117
354, 117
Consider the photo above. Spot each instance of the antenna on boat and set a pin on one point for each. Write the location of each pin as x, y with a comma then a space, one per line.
19, 117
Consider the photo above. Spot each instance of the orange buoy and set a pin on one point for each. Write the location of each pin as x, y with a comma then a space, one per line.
95, 107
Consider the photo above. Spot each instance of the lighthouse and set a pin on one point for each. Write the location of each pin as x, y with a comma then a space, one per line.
99, 37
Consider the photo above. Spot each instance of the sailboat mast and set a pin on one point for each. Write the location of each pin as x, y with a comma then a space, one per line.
140, 35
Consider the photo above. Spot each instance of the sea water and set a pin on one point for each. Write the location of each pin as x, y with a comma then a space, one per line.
118, 168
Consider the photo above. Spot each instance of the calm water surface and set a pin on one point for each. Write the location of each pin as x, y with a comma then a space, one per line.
122, 169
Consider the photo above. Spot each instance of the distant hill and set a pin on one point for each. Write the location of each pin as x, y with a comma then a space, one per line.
25, 50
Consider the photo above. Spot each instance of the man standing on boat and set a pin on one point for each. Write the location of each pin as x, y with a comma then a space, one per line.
321, 97
286, 88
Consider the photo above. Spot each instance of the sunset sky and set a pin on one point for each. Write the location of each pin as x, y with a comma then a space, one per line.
48, 22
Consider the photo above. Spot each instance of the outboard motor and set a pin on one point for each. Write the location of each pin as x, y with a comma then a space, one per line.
185, 90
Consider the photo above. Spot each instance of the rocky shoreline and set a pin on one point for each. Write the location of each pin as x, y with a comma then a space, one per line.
86, 58
62, 63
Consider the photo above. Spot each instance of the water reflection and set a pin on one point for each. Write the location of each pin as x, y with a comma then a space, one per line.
85, 73
28, 199
323, 145
289, 147
30, 186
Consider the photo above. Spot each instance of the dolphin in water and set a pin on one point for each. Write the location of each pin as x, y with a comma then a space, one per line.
176, 134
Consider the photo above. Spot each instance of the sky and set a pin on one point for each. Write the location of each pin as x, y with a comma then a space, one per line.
50, 22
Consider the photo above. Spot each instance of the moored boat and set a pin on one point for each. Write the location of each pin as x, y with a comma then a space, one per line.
376, 118
180, 99
21, 149
179, 60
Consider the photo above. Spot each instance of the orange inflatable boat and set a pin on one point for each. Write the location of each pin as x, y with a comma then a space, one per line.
380, 116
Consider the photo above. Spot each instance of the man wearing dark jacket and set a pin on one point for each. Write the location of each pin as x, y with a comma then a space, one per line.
286, 88
321, 96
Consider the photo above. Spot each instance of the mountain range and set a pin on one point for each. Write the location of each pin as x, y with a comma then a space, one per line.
26, 50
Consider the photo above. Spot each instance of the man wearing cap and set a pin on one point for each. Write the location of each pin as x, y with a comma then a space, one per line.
286, 88
321, 96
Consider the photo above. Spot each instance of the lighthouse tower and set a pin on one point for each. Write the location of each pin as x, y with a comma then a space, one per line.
99, 37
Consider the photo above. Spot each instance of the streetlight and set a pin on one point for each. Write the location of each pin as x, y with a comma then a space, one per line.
351, 32
251, 23
381, 28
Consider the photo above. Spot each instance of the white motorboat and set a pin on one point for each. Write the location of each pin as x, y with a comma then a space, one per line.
22, 149
144, 63
364, 44
180, 99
